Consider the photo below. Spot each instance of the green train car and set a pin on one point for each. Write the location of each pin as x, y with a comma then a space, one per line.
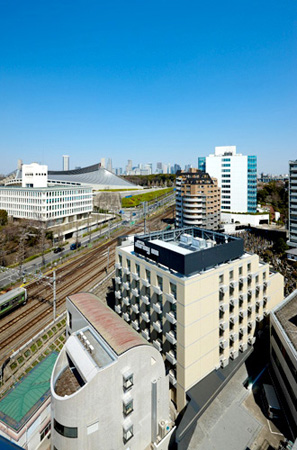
12, 299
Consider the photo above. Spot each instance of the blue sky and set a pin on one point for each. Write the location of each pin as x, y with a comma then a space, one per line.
147, 81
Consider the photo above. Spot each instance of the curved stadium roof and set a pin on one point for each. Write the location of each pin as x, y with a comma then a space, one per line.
95, 176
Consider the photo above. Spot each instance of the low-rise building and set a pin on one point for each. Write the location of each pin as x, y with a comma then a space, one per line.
196, 295
109, 387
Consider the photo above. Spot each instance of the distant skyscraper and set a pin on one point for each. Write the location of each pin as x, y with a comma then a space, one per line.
129, 166
103, 163
176, 168
109, 164
237, 178
65, 162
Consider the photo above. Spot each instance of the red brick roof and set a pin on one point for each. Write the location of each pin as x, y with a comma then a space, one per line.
114, 330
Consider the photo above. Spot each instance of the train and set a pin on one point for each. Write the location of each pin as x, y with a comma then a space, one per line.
12, 299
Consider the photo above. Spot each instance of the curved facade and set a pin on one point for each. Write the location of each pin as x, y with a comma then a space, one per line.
197, 200
109, 388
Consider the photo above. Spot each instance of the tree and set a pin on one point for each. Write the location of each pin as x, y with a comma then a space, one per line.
3, 217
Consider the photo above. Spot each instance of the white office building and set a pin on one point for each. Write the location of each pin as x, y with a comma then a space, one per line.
66, 165
34, 200
109, 388
237, 178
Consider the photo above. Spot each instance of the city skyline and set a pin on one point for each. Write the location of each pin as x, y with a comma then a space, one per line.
122, 81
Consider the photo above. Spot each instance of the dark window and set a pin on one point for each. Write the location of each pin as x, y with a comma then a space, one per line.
69, 432
70, 319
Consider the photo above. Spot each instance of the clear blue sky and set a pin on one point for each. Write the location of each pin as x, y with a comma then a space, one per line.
147, 80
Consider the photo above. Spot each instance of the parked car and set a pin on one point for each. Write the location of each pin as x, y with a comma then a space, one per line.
58, 249
75, 245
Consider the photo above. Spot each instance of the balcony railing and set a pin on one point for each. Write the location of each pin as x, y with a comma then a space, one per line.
157, 344
146, 317
145, 282
135, 308
118, 280
126, 285
145, 299
126, 317
171, 317
135, 276
135, 325
118, 265
146, 334
135, 292
157, 326
172, 378
171, 337
118, 294
126, 270
157, 290
157, 307
118, 309
126, 301
170, 298
171, 357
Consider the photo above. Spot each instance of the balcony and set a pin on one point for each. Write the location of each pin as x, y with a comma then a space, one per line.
146, 334
233, 301
157, 326
118, 265
233, 337
118, 294
126, 301
157, 290
126, 317
145, 282
223, 343
135, 276
171, 317
224, 307
170, 298
172, 378
233, 319
135, 308
171, 357
126, 270
251, 324
145, 299
223, 289
259, 317
146, 317
118, 280
243, 330
223, 325
118, 309
251, 309
242, 313
126, 285
157, 307
233, 284
259, 303
171, 337
135, 292
135, 325
157, 344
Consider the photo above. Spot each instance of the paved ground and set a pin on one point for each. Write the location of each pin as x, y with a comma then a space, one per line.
234, 421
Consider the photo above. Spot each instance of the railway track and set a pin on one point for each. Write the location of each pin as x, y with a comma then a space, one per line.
76, 275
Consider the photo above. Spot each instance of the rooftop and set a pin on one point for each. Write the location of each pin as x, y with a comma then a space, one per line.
286, 314
115, 331
24, 399
188, 250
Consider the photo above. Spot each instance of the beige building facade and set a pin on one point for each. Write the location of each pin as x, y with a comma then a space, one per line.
198, 200
196, 296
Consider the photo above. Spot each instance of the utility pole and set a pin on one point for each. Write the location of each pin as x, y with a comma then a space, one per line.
54, 293
144, 217
89, 231
107, 260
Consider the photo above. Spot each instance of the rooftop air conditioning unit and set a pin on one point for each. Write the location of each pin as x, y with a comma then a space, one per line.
91, 349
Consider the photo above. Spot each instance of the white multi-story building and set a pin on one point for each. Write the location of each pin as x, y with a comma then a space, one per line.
293, 203
35, 201
66, 165
197, 296
283, 351
237, 178
109, 388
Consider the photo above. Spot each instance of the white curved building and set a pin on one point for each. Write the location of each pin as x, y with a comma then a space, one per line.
109, 388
